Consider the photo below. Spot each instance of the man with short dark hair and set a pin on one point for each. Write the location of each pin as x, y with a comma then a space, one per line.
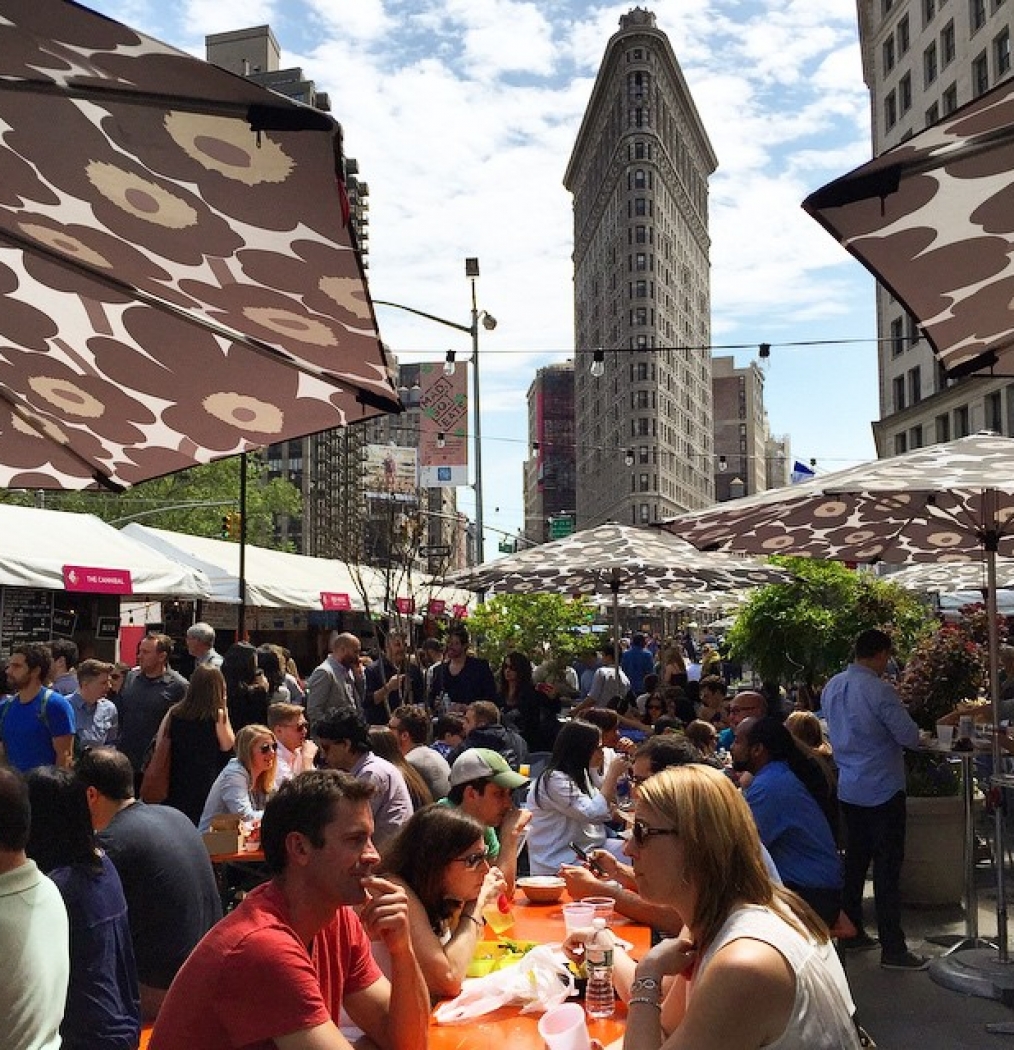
636, 662
34, 933
344, 739
36, 724
150, 690
411, 725
278, 970
483, 728
201, 645
96, 719
482, 785
462, 677
333, 686
869, 729
711, 694
391, 680
168, 882
64, 652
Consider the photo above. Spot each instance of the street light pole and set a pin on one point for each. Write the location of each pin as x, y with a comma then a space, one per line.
487, 321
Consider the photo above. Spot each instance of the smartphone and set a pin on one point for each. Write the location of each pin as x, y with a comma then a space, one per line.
583, 856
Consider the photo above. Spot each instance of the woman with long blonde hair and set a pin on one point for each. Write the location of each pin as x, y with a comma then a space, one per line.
248, 779
754, 966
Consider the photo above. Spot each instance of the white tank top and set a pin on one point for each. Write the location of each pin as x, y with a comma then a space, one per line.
822, 1013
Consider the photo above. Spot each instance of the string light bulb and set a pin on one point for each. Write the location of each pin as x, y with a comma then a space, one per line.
441, 441
449, 365
598, 368
628, 457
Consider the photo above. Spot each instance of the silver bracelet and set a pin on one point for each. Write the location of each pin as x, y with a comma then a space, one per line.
644, 999
478, 922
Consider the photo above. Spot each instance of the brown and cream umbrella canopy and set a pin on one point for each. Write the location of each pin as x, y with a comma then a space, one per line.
933, 220
178, 282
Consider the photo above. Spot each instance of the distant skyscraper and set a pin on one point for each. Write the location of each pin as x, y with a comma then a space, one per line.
922, 59
325, 467
639, 175
549, 469
741, 429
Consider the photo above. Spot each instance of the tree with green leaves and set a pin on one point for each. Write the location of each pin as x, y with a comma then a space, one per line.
534, 624
802, 631
193, 501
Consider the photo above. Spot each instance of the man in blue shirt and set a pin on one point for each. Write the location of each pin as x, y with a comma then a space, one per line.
636, 662
36, 724
869, 729
791, 821
96, 719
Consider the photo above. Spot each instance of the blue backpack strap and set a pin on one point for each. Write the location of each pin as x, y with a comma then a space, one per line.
5, 706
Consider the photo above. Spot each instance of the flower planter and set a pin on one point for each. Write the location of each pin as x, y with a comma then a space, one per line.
934, 869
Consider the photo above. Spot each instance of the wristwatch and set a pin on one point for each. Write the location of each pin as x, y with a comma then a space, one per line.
646, 990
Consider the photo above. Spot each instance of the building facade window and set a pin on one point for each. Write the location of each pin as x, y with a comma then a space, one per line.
888, 55
961, 427
980, 75
900, 444
1001, 54
933, 114
949, 99
904, 35
943, 427
948, 48
929, 9
929, 64
905, 93
898, 385
994, 412
976, 15
915, 437
914, 386
890, 110
897, 337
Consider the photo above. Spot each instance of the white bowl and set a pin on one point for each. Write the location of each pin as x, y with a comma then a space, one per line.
542, 889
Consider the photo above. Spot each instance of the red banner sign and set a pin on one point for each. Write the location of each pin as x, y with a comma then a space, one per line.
335, 602
97, 581
460, 612
436, 607
405, 606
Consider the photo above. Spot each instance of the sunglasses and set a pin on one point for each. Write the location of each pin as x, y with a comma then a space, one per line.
640, 832
473, 860
303, 727
266, 749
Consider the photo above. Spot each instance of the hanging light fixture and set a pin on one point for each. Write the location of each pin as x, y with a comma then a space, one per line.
441, 441
723, 464
628, 457
449, 363
598, 368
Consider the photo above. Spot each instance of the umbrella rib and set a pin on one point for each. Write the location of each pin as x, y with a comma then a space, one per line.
364, 395
283, 115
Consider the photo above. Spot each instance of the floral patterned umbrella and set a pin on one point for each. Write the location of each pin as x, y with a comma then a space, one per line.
932, 219
178, 281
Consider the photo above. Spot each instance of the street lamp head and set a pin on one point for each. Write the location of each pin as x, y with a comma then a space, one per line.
488, 322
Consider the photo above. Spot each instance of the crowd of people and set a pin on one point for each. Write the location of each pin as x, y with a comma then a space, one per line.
410, 788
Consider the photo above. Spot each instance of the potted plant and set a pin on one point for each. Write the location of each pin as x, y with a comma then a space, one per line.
944, 669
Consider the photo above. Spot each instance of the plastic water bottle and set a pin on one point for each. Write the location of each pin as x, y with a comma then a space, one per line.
599, 997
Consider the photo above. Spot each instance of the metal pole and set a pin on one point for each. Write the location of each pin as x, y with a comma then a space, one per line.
479, 548
241, 618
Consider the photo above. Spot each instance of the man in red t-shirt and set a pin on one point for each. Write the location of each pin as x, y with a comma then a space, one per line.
277, 971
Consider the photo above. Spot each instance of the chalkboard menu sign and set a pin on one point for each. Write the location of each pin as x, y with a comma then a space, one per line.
26, 615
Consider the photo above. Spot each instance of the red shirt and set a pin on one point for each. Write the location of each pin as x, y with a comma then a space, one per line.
251, 979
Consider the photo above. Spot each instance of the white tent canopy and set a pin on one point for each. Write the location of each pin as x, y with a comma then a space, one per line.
274, 579
39, 545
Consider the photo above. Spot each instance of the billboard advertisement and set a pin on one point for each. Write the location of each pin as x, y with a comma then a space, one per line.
443, 431
389, 472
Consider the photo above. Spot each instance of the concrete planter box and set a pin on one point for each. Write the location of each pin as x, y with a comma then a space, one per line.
934, 869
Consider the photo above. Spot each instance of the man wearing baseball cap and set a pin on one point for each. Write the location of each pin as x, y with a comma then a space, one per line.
481, 784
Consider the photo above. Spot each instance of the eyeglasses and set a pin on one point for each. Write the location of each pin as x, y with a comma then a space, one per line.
473, 860
640, 832
743, 710
266, 749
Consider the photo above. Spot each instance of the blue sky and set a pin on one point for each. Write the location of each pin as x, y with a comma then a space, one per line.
462, 115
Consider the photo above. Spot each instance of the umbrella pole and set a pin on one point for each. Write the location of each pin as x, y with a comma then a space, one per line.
241, 618
614, 585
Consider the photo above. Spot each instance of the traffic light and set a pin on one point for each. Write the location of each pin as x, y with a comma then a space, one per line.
232, 525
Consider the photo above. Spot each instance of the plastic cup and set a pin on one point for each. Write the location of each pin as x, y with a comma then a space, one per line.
499, 916
564, 1028
604, 907
945, 736
578, 915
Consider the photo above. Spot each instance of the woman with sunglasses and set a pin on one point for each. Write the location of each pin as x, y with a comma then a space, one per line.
753, 966
248, 779
440, 859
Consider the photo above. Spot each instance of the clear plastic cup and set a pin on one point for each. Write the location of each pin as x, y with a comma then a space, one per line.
945, 736
564, 1028
499, 915
604, 907
578, 915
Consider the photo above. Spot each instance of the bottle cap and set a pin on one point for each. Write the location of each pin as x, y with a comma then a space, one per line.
599, 923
